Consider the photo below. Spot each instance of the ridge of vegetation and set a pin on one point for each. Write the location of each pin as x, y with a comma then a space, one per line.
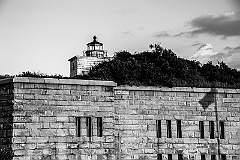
158, 67
162, 67
33, 74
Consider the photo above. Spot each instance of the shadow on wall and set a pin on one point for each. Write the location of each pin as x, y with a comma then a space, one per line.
109, 155
208, 99
6, 122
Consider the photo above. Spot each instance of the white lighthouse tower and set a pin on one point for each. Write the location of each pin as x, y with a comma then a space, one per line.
80, 65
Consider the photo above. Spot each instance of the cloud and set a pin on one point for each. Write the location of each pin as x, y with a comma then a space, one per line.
132, 30
204, 52
126, 32
230, 56
196, 44
232, 49
162, 34
225, 25
186, 34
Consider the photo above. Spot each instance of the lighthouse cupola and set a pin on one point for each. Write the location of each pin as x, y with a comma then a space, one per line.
95, 49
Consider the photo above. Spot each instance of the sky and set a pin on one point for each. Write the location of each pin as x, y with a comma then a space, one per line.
41, 35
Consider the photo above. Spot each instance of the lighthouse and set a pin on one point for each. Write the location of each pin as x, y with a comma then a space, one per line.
95, 54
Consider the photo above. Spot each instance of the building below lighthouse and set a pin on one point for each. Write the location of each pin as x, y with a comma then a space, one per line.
95, 54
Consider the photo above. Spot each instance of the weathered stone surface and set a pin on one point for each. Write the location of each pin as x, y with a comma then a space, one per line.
190, 105
38, 120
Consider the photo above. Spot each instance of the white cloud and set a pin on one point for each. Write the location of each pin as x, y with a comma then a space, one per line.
204, 53
230, 56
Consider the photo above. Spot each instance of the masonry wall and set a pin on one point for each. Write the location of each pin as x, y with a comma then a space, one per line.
6, 120
44, 119
138, 109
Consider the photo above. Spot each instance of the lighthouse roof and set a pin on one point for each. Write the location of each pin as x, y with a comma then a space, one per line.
94, 42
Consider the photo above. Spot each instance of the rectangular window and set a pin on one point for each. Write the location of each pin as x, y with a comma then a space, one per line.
179, 129
180, 157
213, 157
73, 66
203, 157
211, 129
169, 129
223, 157
89, 126
158, 126
201, 128
99, 126
169, 156
159, 156
222, 130
78, 126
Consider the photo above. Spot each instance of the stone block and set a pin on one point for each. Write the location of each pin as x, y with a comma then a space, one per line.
22, 158
37, 139
48, 119
20, 152
62, 119
62, 132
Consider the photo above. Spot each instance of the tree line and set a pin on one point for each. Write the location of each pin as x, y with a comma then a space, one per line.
162, 67
158, 67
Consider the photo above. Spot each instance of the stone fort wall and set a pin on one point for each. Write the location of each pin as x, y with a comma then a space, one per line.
67, 119
43, 114
141, 111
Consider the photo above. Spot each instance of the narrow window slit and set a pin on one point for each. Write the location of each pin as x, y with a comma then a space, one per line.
203, 157
211, 129
99, 126
159, 156
223, 157
169, 156
78, 126
169, 129
158, 126
180, 157
89, 126
213, 157
179, 129
222, 129
201, 128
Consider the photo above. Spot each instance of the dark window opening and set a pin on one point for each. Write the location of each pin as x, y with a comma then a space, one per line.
89, 126
158, 125
203, 157
78, 126
180, 157
213, 157
73, 66
169, 156
159, 156
223, 157
99, 126
201, 128
169, 129
179, 129
222, 130
211, 129
225, 95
